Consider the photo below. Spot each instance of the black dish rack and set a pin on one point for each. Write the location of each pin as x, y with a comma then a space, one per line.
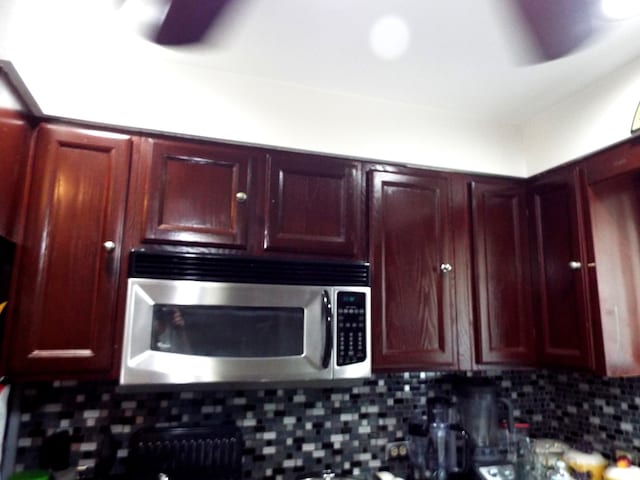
186, 453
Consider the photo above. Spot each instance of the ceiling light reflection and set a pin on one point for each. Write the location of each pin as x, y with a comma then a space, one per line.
390, 37
144, 16
620, 9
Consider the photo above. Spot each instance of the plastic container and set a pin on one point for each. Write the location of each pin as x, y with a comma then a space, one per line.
584, 464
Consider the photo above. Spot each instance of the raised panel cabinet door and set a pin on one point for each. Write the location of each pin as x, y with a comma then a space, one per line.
504, 332
69, 262
15, 134
196, 193
614, 272
412, 272
313, 205
559, 272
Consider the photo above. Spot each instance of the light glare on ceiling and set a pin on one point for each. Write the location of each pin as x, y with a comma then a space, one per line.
389, 37
144, 16
620, 9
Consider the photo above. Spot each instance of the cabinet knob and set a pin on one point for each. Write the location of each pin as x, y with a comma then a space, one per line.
109, 246
446, 267
241, 197
573, 265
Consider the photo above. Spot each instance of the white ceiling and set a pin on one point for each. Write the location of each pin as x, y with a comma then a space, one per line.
469, 57
302, 74
466, 56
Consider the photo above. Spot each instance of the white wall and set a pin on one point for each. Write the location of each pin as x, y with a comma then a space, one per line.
594, 118
234, 107
7, 98
90, 70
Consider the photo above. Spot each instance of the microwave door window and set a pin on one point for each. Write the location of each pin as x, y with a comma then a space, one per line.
224, 331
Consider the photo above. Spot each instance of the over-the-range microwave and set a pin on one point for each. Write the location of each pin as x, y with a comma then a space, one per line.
201, 318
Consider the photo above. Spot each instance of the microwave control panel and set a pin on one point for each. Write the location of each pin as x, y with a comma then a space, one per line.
351, 328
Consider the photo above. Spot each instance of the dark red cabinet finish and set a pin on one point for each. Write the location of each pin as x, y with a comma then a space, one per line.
413, 320
612, 260
193, 193
64, 317
587, 229
313, 205
15, 134
503, 332
560, 280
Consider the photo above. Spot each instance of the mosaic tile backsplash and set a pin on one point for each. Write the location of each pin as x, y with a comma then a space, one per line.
291, 431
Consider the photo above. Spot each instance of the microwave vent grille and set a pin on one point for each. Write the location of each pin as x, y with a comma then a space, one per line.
217, 268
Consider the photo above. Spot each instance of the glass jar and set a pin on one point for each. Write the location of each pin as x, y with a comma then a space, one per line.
522, 451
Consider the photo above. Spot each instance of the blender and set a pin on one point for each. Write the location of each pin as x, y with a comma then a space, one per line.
481, 412
439, 448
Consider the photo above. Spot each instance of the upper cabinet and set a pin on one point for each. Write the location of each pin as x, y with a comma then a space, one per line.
15, 136
245, 200
503, 330
193, 193
411, 251
452, 255
559, 267
450, 271
313, 205
611, 192
63, 321
587, 236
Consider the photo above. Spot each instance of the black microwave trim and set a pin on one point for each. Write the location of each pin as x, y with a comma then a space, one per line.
221, 268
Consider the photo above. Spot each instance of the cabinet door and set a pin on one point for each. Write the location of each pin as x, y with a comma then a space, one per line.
412, 277
561, 288
194, 193
63, 323
313, 205
15, 133
613, 266
504, 332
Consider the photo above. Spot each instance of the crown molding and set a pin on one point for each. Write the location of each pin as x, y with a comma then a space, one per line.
9, 73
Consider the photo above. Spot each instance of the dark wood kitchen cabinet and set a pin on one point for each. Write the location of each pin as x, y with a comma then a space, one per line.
503, 332
587, 237
237, 199
313, 205
192, 193
610, 186
560, 283
15, 135
413, 314
63, 321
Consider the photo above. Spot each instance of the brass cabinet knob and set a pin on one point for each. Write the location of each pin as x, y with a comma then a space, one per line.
109, 246
573, 265
241, 197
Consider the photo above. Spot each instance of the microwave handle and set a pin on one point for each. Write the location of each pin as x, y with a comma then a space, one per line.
328, 342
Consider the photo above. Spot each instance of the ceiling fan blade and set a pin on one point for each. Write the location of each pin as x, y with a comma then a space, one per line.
187, 21
558, 27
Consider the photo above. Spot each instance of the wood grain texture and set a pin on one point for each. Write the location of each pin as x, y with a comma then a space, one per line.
504, 332
15, 136
561, 292
313, 205
190, 193
614, 206
63, 321
413, 324
618, 160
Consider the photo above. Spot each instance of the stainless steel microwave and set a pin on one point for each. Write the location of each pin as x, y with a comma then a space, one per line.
198, 318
